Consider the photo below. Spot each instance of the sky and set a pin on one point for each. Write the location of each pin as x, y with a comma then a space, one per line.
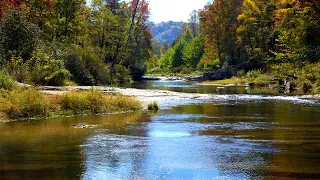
174, 10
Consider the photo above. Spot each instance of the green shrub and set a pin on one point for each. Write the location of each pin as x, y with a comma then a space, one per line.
120, 74
253, 73
87, 68
262, 80
6, 82
44, 69
124, 103
241, 73
156, 70
186, 70
283, 68
97, 102
154, 106
79, 73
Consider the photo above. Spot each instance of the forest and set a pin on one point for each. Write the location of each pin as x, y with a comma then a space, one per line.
66, 42
281, 36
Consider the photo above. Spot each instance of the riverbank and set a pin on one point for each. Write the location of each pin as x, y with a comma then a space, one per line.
146, 96
51, 101
35, 104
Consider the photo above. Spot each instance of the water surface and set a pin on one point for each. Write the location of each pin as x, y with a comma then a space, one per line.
250, 139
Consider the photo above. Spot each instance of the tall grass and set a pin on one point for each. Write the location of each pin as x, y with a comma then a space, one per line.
24, 104
33, 104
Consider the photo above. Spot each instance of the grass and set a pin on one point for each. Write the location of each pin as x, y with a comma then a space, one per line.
29, 104
234, 80
154, 106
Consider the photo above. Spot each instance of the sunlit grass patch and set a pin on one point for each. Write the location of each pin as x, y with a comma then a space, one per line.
33, 104
233, 80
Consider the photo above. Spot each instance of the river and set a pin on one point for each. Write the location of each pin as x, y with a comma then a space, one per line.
256, 137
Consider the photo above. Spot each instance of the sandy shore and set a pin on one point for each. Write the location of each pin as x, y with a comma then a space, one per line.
145, 96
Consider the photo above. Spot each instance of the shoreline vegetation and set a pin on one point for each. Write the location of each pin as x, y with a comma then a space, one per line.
305, 77
20, 104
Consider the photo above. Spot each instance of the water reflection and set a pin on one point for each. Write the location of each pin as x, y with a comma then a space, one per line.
246, 139
51, 149
194, 87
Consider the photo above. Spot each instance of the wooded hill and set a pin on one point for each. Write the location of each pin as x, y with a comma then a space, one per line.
165, 32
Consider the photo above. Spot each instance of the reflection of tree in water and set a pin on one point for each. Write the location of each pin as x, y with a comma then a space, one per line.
260, 139
118, 151
40, 150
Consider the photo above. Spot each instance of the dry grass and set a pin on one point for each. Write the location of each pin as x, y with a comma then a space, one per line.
33, 104
233, 80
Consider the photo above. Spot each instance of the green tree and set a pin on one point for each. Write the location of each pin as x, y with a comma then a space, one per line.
66, 12
193, 52
18, 35
299, 31
256, 32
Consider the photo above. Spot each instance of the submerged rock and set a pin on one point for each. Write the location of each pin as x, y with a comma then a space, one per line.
82, 126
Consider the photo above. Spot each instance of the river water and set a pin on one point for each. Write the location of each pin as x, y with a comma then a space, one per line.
257, 137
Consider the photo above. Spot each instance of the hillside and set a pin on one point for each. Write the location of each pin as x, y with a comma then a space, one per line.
165, 31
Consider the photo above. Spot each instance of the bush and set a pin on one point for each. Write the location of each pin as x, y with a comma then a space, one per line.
154, 106
120, 74
186, 70
241, 73
156, 70
87, 68
253, 73
262, 80
283, 68
6, 82
44, 69
58, 78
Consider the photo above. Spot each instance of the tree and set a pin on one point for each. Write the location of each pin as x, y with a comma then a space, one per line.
256, 32
194, 23
193, 52
219, 24
299, 30
139, 38
66, 12
7, 4
19, 36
